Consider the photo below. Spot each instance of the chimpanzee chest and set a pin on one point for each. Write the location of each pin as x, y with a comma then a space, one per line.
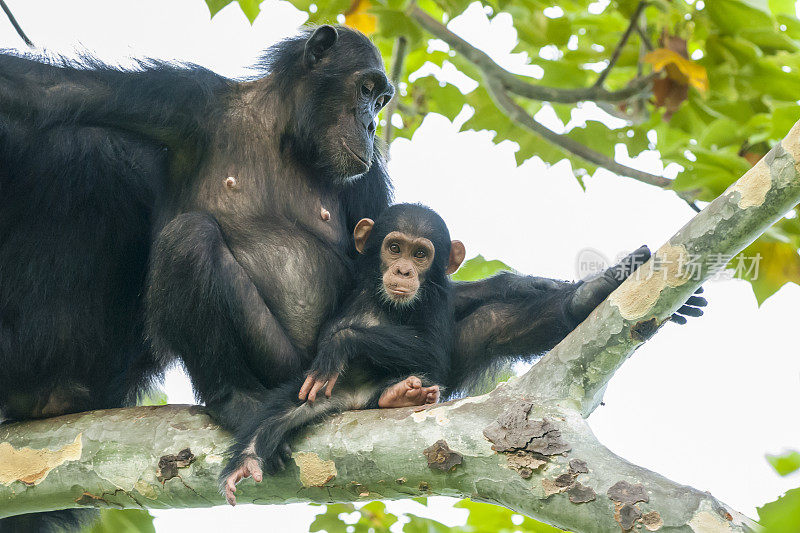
300, 273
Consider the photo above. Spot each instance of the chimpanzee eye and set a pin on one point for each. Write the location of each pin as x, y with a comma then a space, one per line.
394, 248
366, 89
420, 254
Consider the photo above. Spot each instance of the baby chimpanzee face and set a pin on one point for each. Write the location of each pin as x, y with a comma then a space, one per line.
407, 249
405, 260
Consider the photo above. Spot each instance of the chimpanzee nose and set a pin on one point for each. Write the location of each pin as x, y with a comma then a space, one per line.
368, 122
403, 270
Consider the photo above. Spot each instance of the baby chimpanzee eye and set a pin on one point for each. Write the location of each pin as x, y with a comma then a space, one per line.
420, 254
394, 247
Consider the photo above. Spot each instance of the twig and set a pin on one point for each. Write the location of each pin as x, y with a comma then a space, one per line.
521, 117
398, 58
645, 39
15, 24
634, 23
514, 84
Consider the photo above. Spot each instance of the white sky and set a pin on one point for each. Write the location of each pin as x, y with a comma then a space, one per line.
701, 404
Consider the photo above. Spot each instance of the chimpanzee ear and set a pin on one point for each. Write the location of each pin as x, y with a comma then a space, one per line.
316, 45
361, 233
457, 254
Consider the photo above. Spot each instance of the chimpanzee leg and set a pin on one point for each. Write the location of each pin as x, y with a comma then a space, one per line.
202, 306
279, 417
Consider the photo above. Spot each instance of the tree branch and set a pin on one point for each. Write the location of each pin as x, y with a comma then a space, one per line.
112, 459
521, 117
499, 82
645, 301
514, 84
14, 23
634, 23
398, 58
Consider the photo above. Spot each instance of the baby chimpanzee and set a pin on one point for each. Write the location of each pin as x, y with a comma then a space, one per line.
389, 346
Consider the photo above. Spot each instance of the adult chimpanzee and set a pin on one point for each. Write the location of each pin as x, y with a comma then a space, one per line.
236, 200
394, 336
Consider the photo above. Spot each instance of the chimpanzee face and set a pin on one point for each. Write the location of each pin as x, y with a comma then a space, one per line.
405, 261
345, 87
407, 252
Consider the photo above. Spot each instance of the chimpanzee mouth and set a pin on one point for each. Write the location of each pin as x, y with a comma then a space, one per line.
358, 157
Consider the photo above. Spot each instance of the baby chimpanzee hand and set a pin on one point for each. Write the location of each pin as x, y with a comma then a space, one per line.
323, 373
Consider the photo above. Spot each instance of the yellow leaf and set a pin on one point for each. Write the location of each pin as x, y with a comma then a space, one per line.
768, 266
678, 68
358, 17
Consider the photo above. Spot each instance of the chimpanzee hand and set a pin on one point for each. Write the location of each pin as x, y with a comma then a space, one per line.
593, 291
323, 373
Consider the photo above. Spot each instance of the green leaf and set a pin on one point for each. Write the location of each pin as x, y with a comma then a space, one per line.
733, 15
251, 8
215, 6
485, 517
782, 6
155, 397
123, 521
722, 132
785, 464
417, 524
782, 515
479, 268
329, 520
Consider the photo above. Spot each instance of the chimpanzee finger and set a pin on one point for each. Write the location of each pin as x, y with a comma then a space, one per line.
678, 319
697, 301
331, 383
629, 264
690, 311
304, 390
318, 384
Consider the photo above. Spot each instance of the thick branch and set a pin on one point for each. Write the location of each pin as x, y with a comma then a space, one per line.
516, 85
521, 117
580, 367
111, 459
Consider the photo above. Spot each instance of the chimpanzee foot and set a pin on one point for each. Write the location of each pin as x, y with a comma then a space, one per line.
250, 466
408, 393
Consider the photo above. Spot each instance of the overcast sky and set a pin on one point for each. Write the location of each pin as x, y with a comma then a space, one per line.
700, 404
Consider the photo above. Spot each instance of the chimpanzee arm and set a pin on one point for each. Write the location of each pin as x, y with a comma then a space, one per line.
160, 101
203, 306
397, 349
510, 316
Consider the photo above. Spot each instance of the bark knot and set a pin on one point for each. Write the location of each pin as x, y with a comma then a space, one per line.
168, 465
441, 457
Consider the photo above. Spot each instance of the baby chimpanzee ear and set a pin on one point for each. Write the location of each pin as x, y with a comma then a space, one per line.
362, 231
457, 254
322, 39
